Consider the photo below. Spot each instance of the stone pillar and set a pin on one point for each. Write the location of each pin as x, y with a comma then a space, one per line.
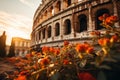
73, 23
55, 8
62, 5
115, 11
61, 28
74, 1
48, 13
90, 26
52, 30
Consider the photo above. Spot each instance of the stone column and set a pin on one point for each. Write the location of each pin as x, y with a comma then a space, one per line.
115, 11
62, 5
52, 30
37, 37
55, 8
48, 12
61, 28
90, 26
73, 23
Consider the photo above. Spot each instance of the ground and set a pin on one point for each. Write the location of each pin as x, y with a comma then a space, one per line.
5, 66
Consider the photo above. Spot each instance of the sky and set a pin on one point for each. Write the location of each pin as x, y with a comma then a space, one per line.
16, 18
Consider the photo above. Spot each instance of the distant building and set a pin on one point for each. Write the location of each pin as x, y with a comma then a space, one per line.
22, 46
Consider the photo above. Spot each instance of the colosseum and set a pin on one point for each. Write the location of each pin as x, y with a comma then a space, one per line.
58, 20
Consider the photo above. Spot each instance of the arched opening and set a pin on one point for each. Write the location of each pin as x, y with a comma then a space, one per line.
39, 35
57, 29
82, 23
58, 5
67, 27
97, 21
43, 32
49, 31
68, 2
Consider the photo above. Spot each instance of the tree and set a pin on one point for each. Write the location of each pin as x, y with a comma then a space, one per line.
12, 49
3, 45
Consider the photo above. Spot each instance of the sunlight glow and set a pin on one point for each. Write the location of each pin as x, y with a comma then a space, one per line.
11, 32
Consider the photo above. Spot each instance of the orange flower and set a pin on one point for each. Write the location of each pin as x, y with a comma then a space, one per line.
57, 51
52, 49
80, 48
24, 72
45, 61
66, 43
114, 18
101, 18
105, 15
114, 38
104, 41
66, 62
90, 50
21, 77
109, 21
45, 49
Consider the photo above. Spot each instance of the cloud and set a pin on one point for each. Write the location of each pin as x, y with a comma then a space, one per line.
15, 25
27, 3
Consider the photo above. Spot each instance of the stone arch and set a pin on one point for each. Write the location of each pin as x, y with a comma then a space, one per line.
97, 21
58, 5
67, 26
68, 2
49, 31
82, 21
57, 29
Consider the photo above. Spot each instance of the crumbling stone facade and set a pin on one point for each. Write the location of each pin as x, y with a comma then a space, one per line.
58, 20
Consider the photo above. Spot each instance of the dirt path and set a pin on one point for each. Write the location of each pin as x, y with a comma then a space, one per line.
5, 66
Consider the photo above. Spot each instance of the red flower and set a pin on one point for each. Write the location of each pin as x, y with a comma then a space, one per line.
104, 41
80, 48
105, 15
66, 43
23, 77
51, 49
65, 62
114, 38
114, 18
90, 50
24, 72
109, 21
45, 49
85, 76
45, 61
57, 51
101, 18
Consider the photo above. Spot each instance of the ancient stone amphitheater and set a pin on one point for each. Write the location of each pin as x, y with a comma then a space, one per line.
58, 20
